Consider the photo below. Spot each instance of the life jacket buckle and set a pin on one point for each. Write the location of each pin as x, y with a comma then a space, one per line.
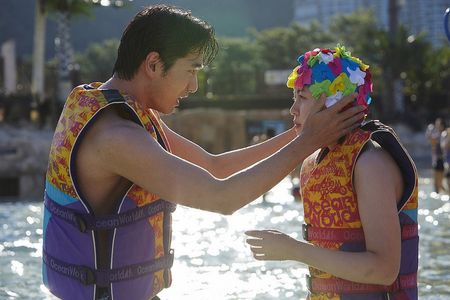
81, 222
308, 281
171, 258
305, 231
89, 276
171, 207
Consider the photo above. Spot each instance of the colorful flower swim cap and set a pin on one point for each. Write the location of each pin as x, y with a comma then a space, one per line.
333, 72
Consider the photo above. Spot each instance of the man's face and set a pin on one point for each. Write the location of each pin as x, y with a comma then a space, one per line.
301, 108
177, 83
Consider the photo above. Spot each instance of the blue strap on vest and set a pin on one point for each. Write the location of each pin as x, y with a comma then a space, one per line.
88, 222
88, 276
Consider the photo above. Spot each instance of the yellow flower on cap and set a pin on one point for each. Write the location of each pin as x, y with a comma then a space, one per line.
362, 65
343, 84
292, 77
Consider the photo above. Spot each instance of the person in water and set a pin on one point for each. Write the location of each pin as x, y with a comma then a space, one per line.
434, 135
116, 171
359, 195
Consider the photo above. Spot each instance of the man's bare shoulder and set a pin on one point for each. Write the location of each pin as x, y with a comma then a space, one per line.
101, 158
111, 127
111, 137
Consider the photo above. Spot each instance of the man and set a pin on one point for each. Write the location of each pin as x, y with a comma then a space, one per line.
107, 229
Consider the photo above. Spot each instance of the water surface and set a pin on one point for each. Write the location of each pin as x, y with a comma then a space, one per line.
211, 259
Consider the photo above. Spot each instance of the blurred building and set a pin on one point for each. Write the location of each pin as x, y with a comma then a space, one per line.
425, 16
416, 15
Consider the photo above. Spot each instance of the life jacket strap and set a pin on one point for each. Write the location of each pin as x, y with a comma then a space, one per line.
89, 276
345, 235
341, 286
86, 222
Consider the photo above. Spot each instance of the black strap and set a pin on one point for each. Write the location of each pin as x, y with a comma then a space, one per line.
158, 135
88, 222
88, 276
387, 138
114, 96
81, 273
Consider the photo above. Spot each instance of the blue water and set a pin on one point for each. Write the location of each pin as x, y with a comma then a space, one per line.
212, 261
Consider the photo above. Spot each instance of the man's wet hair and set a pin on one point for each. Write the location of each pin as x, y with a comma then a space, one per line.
170, 31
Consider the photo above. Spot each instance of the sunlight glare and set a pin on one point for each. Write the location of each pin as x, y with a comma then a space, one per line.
17, 267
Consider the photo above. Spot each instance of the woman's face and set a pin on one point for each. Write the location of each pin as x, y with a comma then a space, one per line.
301, 108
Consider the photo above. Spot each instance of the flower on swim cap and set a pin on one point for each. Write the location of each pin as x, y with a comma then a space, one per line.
334, 72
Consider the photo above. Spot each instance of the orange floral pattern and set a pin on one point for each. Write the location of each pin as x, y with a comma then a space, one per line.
328, 197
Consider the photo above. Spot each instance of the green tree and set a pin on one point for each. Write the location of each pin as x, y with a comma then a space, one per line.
66, 9
439, 66
96, 63
43, 8
403, 58
279, 47
409, 59
234, 70
426, 84
359, 33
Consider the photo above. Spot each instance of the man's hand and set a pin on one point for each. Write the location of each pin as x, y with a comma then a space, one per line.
326, 126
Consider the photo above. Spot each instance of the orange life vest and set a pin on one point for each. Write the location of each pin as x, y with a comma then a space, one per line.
140, 230
332, 218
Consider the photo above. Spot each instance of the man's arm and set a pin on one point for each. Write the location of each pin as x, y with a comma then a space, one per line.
379, 184
126, 150
225, 164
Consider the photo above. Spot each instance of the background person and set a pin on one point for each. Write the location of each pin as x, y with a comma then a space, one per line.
433, 134
445, 145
